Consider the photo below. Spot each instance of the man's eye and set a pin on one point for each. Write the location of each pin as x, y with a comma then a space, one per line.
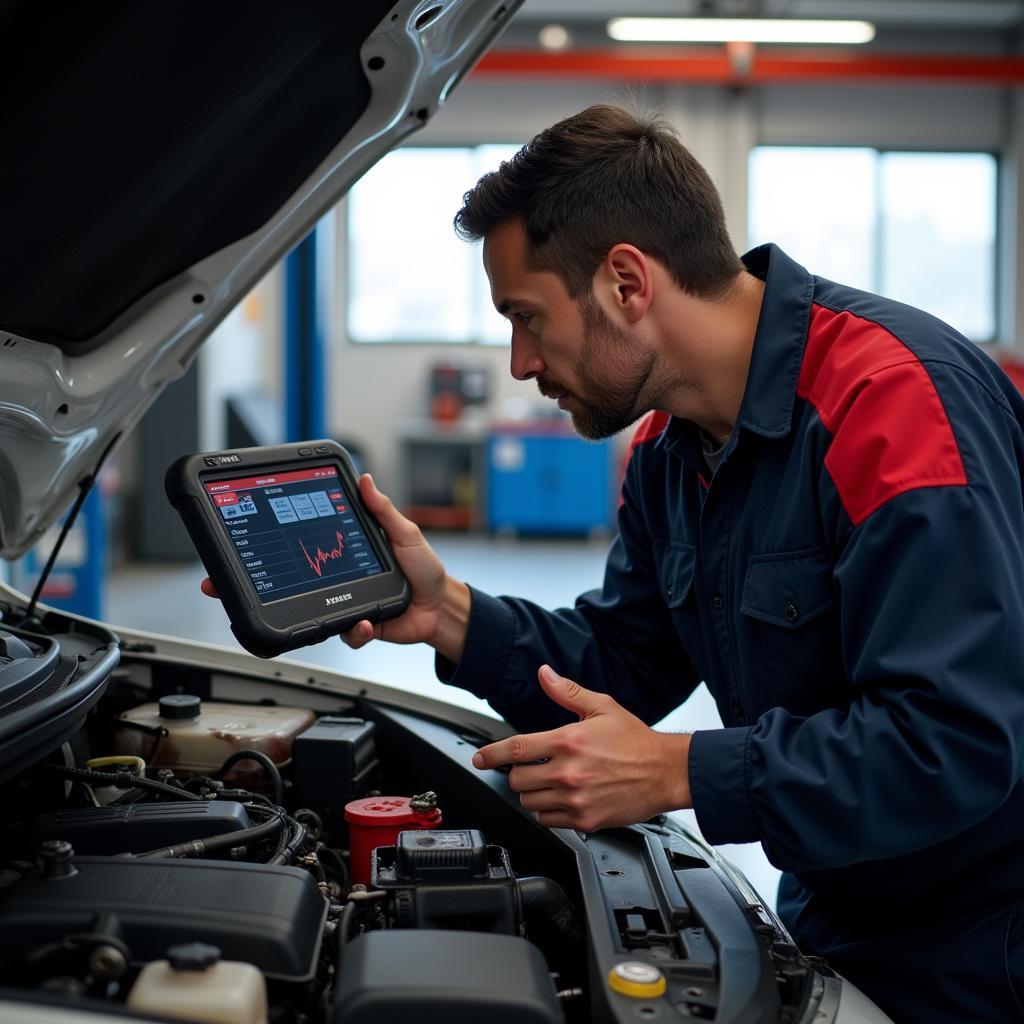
524, 318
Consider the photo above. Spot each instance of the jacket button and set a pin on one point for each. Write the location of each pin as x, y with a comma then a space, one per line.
668, 593
791, 613
718, 602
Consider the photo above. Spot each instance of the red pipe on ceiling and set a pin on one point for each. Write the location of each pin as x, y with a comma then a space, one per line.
716, 66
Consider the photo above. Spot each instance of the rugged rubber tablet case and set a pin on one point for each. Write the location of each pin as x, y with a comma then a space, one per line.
267, 629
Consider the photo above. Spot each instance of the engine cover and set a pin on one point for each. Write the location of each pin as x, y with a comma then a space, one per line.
264, 915
136, 828
393, 977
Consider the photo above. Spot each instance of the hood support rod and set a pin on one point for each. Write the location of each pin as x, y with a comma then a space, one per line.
84, 487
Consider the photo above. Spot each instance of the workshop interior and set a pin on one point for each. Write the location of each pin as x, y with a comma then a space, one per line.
229, 227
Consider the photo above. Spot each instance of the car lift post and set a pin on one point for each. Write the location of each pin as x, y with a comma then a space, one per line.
308, 289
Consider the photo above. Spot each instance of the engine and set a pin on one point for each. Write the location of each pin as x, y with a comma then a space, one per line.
203, 860
196, 836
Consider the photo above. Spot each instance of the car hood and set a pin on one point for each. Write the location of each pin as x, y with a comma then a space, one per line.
160, 158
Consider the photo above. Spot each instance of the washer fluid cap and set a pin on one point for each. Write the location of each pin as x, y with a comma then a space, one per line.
180, 705
193, 956
637, 979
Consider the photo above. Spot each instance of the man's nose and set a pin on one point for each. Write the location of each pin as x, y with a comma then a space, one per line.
526, 361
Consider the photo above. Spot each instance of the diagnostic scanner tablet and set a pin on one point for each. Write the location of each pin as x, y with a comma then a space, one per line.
288, 542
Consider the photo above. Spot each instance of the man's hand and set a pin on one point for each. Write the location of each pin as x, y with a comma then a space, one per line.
607, 769
438, 612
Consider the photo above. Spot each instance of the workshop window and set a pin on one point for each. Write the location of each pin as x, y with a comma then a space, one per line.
916, 227
410, 278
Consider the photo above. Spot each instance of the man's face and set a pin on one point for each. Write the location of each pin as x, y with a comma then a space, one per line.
612, 372
596, 371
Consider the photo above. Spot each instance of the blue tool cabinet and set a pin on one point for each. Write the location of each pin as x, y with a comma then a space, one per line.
544, 482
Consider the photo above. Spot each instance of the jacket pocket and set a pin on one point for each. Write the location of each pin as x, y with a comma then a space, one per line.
789, 620
675, 561
790, 589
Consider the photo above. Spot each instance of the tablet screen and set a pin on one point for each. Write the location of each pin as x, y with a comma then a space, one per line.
294, 530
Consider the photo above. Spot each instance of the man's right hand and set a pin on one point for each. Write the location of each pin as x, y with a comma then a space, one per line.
438, 612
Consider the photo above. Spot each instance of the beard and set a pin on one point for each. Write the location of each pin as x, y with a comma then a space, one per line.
614, 374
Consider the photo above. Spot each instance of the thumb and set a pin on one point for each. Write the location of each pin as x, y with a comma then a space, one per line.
569, 694
400, 530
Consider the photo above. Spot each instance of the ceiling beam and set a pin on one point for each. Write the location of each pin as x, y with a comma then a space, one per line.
714, 65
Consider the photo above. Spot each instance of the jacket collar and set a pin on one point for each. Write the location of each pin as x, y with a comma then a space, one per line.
770, 394
768, 400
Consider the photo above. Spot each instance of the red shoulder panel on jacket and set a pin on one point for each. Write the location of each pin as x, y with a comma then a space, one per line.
651, 427
890, 432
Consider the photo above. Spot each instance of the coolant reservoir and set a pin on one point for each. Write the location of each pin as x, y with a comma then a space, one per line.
201, 736
194, 984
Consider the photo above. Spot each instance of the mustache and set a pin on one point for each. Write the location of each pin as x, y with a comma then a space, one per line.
550, 389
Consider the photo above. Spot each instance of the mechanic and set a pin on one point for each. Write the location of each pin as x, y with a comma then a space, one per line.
822, 518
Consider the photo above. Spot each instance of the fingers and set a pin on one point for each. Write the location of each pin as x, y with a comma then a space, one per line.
360, 634
400, 531
537, 746
569, 694
540, 800
525, 777
576, 818
208, 588
533, 747
560, 808
557, 819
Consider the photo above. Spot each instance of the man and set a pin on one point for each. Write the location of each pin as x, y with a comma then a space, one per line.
823, 518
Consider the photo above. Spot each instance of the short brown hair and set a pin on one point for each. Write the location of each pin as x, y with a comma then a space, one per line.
602, 177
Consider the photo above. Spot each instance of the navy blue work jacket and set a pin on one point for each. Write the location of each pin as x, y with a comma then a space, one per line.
850, 586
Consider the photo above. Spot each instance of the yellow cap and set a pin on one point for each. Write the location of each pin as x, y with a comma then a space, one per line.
95, 764
637, 979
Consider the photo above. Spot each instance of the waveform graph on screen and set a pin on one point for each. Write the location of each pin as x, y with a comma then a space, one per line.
325, 552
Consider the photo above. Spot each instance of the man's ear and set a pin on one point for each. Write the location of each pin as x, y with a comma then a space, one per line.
629, 278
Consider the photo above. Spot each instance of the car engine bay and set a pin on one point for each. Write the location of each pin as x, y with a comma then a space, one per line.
247, 842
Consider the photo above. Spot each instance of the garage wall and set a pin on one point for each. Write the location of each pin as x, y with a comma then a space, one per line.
720, 125
943, 116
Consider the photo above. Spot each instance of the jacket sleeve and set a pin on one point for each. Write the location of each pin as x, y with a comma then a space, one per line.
931, 588
618, 639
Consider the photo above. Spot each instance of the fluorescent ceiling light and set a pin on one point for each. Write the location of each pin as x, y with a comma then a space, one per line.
739, 30
554, 37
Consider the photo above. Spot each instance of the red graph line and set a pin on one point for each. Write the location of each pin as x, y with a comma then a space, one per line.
322, 557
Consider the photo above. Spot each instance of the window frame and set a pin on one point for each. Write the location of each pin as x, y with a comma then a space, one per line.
344, 240
998, 240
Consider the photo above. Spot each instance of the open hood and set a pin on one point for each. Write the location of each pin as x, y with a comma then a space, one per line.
160, 158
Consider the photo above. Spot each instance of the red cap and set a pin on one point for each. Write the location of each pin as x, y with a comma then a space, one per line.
387, 810
376, 821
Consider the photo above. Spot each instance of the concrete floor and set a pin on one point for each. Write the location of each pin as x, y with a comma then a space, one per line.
167, 600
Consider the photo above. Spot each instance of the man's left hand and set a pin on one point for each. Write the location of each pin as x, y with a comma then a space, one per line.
607, 769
